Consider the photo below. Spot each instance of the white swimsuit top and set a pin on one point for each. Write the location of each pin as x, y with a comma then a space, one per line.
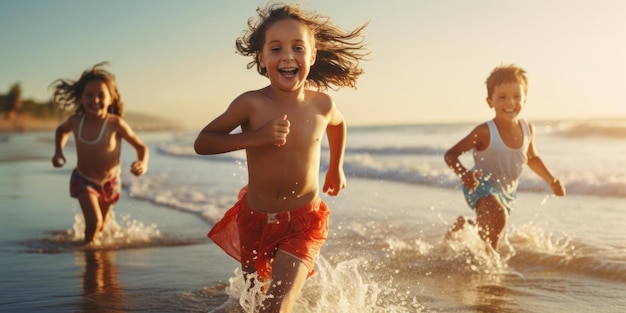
501, 165
80, 131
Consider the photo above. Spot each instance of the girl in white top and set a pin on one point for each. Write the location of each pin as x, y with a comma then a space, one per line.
500, 147
98, 127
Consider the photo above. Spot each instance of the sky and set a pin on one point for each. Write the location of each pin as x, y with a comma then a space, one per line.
428, 59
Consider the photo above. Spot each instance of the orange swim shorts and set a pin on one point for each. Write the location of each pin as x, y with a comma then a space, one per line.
253, 237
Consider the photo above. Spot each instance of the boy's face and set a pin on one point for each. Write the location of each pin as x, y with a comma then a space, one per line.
507, 100
96, 98
287, 54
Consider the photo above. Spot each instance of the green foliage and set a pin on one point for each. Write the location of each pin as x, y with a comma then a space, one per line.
13, 101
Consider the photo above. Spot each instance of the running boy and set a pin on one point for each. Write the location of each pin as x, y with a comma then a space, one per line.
500, 147
279, 224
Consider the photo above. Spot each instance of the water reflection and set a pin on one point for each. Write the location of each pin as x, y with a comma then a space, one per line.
102, 291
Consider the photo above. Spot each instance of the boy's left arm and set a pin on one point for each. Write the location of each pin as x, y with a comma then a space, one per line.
335, 177
536, 164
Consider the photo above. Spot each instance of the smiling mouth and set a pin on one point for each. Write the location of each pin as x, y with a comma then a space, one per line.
288, 71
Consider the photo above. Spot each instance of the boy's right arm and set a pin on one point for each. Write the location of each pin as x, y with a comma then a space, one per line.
473, 140
216, 137
60, 139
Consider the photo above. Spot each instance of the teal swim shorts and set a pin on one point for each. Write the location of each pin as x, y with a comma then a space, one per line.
486, 189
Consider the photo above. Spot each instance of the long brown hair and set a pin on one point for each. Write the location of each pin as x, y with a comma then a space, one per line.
67, 93
338, 51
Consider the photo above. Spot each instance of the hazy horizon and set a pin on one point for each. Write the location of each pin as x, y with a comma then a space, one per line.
428, 60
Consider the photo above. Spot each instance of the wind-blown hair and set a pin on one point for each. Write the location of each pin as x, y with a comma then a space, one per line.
67, 93
338, 51
505, 74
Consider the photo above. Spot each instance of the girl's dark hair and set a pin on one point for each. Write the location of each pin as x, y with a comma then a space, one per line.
67, 93
338, 51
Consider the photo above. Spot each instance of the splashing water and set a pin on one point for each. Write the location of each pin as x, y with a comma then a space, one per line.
127, 233
339, 288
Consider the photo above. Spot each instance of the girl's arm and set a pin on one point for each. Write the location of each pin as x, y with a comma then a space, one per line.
536, 164
140, 166
336, 133
60, 139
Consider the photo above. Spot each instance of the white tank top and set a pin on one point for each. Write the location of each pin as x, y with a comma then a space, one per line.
501, 165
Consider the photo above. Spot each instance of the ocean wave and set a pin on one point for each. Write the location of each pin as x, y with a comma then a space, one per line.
612, 129
395, 150
425, 173
398, 165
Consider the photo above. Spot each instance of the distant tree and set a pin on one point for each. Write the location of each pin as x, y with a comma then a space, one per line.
14, 101
3, 103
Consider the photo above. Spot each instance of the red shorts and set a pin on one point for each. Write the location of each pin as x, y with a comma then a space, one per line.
253, 237
109, 191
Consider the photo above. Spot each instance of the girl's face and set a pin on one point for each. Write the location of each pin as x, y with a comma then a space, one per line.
507, 100
287, 54
96, 98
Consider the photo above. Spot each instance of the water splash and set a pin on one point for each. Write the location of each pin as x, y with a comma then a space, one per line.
342, 287
126, 233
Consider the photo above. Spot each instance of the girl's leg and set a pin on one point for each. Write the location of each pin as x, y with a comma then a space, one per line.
92, 214
288, 277
491, 219
105, 211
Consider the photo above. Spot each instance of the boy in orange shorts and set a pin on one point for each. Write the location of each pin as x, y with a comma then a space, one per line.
253, 237
279, 224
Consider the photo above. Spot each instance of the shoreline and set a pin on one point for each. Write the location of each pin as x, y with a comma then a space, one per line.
14, 149
28, 124
139, 122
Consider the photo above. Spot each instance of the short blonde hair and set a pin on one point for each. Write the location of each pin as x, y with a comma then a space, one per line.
503, 74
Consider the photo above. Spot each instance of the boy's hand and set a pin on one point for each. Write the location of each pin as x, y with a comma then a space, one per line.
275, 131
138, 168
58, 160
557, 187
470, 179
334, 182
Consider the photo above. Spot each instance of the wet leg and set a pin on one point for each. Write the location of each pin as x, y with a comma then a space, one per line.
92, 214
458, 225
288, 277
491, 218
105, 212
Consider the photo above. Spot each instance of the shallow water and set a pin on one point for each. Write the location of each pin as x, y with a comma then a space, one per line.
385, 251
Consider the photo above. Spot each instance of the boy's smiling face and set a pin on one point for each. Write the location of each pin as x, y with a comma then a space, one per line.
287, 54
507, 100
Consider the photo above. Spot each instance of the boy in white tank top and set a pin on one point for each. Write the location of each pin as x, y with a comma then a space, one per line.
500, 148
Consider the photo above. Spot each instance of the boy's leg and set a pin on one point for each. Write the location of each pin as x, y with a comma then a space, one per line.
92, 214
491, 217
288, 277
458, 225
